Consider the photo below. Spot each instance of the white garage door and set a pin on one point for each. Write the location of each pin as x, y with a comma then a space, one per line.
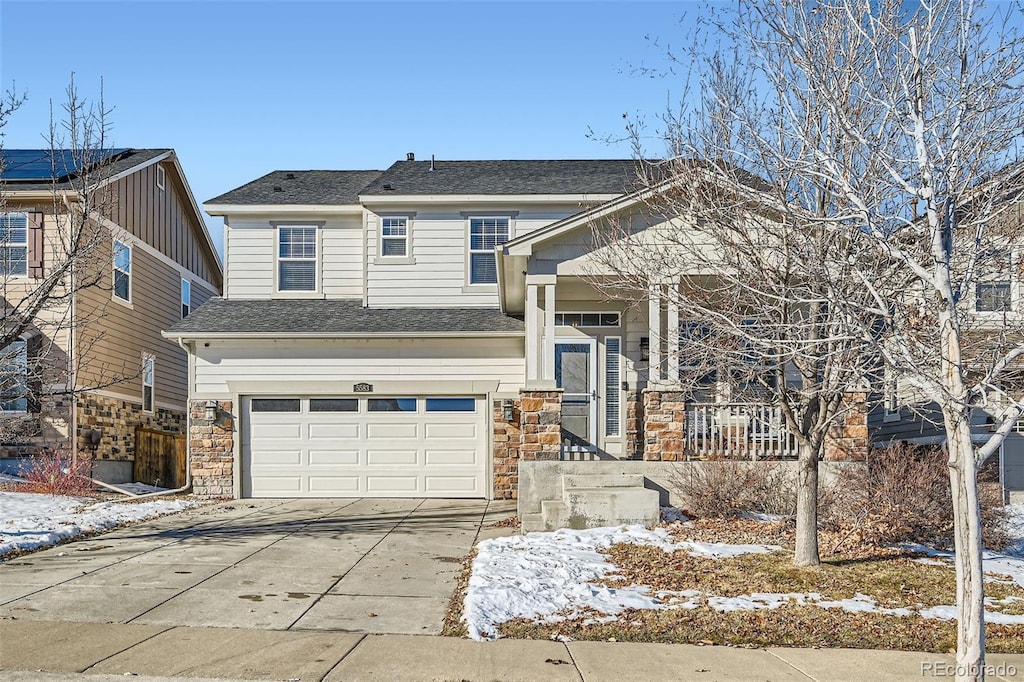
356, 447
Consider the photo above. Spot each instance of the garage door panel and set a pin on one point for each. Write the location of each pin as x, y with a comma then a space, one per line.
287, 431
443, 457
325, 485
333, 458
391, 484
333, 431
352, 452
450, 431
393, 430
391, 457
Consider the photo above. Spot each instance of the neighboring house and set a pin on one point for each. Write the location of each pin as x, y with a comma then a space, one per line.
107, 370
425, 330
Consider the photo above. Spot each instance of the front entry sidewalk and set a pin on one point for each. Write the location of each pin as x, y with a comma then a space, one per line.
358, 565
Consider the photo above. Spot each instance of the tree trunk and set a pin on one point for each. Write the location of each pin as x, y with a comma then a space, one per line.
807, 508
970, 594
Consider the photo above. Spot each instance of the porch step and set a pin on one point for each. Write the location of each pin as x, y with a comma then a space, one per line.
594, 507
530, 523
555, 514
571, 481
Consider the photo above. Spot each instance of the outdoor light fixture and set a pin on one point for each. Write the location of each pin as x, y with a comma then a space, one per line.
645, 348
506, 405
95, 436
211, 410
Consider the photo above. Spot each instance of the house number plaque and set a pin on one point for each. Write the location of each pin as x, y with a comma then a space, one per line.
362, 388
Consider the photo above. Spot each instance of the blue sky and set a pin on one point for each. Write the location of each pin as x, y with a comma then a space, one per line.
240, 88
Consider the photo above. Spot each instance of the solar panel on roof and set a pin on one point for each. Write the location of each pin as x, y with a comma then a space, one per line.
46, 164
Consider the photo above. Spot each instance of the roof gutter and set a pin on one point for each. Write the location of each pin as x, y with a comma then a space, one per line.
260, 209
339, 335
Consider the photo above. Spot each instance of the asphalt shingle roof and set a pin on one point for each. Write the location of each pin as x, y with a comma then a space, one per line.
329, 187
128, 159
327, 317
615, 176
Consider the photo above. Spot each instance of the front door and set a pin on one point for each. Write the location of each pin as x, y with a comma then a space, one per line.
576, 375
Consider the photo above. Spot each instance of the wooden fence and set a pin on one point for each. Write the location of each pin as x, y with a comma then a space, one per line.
160, 458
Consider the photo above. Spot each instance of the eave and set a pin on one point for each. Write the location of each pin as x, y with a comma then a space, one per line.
282, 209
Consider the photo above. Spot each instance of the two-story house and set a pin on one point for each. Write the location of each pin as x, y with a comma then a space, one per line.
143, 262
424, 330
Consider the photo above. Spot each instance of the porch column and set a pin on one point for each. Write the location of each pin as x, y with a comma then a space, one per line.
549, 333
672, 335
654, 334
532, 336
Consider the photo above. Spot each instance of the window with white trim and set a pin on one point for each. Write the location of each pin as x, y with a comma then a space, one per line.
296, 258
122, 270
13, 244
485, 233
148, 382
394, 236
586, 319
186, 298
612, 385
14, 378
994, 289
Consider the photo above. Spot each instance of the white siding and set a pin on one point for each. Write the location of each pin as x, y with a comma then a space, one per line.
438, 246
250, 248
297, 361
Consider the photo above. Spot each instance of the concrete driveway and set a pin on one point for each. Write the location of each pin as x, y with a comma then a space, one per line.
356, 565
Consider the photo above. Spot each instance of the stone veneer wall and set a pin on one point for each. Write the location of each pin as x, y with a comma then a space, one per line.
540, 419
35, 433
118, 419
212, 450
633, 445
507, 439
664, 425
848, 440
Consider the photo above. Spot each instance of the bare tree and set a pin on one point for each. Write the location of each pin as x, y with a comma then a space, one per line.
898, 126
55, 245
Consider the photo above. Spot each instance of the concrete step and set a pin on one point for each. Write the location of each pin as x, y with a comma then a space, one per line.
602, 481
529, 523
555, 514
595, 507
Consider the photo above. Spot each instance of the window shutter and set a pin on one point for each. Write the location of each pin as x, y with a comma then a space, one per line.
34, 372
36, 244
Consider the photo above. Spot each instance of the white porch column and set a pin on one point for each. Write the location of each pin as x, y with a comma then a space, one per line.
549, 333
532, 337
654, 334
672, 335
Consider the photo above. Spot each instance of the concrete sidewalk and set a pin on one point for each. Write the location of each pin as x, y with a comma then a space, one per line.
41, 650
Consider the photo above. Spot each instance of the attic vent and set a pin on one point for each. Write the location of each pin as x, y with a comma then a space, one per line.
388, 186
290, 176
277, 188
409, 156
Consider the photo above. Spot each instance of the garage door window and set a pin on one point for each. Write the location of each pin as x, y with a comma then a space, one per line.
333, 405
391, 404
451, 405
276, 405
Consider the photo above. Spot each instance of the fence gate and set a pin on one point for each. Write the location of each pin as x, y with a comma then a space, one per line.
160, 458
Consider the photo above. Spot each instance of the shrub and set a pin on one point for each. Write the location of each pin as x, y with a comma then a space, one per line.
726, 488
56, 473
903, 495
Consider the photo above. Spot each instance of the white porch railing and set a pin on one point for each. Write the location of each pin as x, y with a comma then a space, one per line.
737, 431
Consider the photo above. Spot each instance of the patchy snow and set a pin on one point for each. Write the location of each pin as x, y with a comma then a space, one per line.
1015, 529
9, 478
762, 517
673, 514
32, 521
553, 576
140, 488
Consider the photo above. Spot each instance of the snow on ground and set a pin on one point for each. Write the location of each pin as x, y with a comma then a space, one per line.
551, 577
33, 521
8, 478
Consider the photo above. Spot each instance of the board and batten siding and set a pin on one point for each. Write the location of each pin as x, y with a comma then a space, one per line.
295, 361
163, 218
110, 337
438, 246
251, 245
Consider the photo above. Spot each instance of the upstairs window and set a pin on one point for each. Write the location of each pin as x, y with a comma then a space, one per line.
296, 258
994, 289
14, 377
186, 298
13, 244
161, 177
484, 235
122, 271
394, 236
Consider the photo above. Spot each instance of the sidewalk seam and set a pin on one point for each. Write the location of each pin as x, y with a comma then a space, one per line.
118, 653
347, 654
572, 658
772, 653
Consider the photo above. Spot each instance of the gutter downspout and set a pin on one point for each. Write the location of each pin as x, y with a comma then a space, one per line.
188, 453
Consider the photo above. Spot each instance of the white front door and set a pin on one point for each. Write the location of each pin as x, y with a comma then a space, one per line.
576, 375
382, 446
